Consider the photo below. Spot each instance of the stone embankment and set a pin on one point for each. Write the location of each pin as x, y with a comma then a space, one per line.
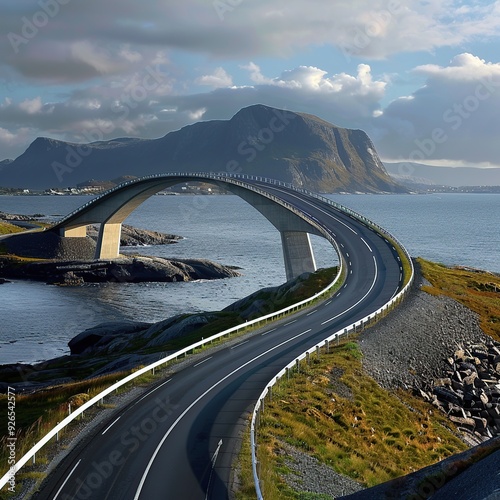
435, 345
469, 391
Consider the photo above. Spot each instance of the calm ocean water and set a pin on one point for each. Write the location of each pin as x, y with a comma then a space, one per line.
39, 320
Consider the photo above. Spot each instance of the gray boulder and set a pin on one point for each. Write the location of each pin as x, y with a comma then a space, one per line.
179, 328
103, 334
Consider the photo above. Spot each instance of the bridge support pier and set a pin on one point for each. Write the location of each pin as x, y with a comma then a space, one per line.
108, 243
75, 232
298, 253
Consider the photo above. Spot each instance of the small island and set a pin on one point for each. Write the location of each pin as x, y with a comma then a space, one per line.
45, 256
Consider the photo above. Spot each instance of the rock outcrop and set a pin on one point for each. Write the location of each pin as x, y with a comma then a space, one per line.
122, 270
123, 345
133, 237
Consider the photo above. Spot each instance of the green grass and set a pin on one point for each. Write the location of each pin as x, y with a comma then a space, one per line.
477, 290
7, 228
372, 437
376, 435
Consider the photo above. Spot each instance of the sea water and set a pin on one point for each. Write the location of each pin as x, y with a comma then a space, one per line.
38, 320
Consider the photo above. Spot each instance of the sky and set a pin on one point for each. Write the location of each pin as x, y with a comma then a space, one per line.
422, 78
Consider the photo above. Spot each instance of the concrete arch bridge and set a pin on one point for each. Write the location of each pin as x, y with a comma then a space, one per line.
112, 207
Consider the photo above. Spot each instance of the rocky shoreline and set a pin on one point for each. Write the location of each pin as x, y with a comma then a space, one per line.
123, 270
133, 237
70, 262
123, 345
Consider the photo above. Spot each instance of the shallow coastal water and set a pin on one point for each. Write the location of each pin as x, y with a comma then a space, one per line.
39, 320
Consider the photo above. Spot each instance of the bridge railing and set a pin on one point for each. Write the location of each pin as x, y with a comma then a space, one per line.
354, 327
358, 326
224, 176
98, 399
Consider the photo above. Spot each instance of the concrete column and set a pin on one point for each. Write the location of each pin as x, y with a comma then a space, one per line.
298, 253
75, 232
108, 244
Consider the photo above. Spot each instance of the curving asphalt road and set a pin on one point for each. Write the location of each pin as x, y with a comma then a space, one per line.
180, 440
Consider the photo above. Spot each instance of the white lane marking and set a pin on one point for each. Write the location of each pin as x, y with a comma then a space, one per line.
240, 344
350, 264
329, 302
339, 294
110, 425
214, 459
364, 241
67, 479
268, 331
399, 259
155, 389
201, 362
290, 322
342, 245
360, 300
322, 211
199, 398
350, 272
347, 254
147, 394
345, 286
312, 312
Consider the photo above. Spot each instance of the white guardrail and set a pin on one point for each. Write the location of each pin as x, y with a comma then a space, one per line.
259, 406
236, 179
99, 398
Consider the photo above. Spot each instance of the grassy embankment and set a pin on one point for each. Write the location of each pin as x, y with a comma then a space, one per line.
37, 413
371, 435
6, 228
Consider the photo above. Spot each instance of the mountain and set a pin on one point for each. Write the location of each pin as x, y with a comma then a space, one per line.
259, 140
418, 173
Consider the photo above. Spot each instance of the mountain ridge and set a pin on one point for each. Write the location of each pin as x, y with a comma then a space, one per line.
258, 140
420, 173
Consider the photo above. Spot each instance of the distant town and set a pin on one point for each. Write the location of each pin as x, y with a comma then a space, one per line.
93, 187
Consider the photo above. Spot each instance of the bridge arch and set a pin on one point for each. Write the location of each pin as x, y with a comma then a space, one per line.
112, 207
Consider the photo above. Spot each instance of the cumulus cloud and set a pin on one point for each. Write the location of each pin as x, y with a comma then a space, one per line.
12, 140
453, 117
337, 97
52, 44
144, 104
219, 78
31, 106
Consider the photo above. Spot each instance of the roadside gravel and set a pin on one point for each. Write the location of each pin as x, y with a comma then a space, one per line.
309, 475
409, 347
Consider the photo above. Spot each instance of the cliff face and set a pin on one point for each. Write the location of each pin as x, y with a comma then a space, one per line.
259, 140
